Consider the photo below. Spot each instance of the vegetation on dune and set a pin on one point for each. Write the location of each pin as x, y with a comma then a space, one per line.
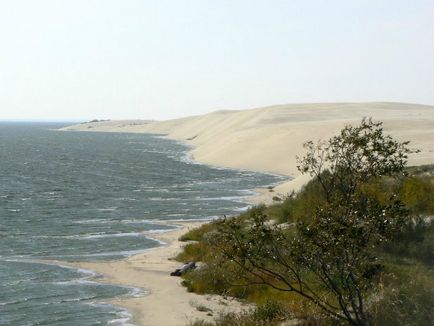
357, 237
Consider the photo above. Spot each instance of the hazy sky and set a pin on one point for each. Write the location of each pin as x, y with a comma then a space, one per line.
85, 59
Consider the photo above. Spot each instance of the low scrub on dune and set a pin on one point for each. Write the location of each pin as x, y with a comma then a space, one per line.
354, 246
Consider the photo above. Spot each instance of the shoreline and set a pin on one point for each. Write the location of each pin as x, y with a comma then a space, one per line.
261, 140
164, 301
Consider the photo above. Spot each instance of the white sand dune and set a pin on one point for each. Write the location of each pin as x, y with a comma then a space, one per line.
269, 139
264, 139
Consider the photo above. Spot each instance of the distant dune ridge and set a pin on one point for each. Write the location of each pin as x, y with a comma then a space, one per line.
269, 139
263, 139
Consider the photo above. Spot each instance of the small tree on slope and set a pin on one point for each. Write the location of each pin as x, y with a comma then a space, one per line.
328, 258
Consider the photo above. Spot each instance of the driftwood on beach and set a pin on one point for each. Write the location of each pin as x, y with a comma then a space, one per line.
184, 268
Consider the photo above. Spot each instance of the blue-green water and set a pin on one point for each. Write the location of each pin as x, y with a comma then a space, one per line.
93, 196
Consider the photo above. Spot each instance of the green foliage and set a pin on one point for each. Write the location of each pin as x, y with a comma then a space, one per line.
300, 207
269, 311
341, 249
407, 298
415, 241
357, 155
405, 283
212, 278
197, 234
329, 259
418, 194
193, 252
267, 314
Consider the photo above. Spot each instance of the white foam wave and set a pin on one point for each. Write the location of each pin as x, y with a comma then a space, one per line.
123, 253
227, 198
243, 209
157, 240
108, 209
87, 273
98, 220
159, 231
164, 199
81, 281
124, 320
110, 235
137, 292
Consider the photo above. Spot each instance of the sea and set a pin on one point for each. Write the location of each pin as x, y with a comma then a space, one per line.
86, 196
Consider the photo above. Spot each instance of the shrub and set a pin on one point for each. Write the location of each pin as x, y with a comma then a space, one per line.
407, 298
418, 194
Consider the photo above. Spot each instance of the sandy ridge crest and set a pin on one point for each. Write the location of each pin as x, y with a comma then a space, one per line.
268, 139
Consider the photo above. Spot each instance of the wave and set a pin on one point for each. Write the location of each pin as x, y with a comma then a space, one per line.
133, 221
92, 221
237, 199
80, 281
159, 231
111, 221
134, 292
109, 235
162, 243
108, 254
193, 219
243, 209
109, 209
90, 236
164, 199
87, 273
138, 292
124, 315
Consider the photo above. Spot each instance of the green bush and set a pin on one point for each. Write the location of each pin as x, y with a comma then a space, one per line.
407, 298
418, 194
269, 311
197, 234
406, 264
415, 241
193, 252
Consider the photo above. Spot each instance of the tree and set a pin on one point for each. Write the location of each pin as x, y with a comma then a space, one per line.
328, 257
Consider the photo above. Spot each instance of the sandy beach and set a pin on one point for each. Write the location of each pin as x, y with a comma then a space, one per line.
164, 301
265, 139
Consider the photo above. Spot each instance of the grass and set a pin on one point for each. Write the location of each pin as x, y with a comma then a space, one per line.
407, 296
407, 282
271, 313
198, 233
193, 252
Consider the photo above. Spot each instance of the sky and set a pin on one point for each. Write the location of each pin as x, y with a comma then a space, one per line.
161, 59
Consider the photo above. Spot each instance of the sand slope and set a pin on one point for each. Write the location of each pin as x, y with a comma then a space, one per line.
269, 139
264, 139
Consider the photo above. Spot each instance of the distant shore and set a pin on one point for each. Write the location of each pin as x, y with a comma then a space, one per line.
268, 139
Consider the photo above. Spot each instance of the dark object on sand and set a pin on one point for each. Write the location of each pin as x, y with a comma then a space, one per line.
184, 268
